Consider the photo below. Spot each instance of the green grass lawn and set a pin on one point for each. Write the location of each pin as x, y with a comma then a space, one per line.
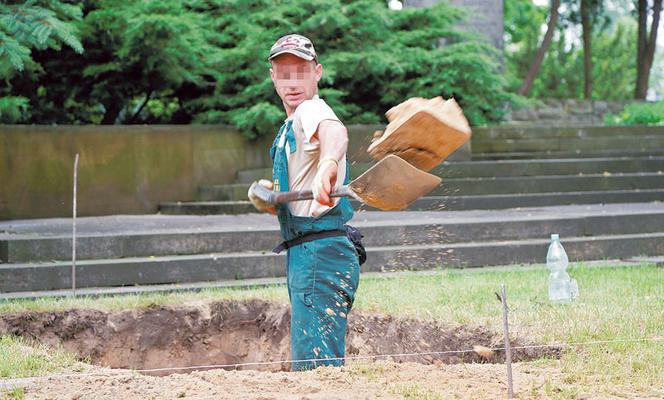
617, 302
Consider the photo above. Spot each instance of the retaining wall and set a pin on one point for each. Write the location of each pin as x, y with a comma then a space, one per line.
122, 169
566, 112
128, 169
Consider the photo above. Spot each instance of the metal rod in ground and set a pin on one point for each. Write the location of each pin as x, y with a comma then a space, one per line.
73, 236
508, 349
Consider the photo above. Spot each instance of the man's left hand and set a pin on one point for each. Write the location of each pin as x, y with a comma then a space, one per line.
325, 181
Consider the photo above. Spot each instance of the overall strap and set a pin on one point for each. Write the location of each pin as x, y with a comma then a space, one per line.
275, 142
307, 238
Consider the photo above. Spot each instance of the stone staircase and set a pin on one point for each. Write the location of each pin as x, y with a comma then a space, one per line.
497, 209
498, 184
567, 142
511, 167
160, 250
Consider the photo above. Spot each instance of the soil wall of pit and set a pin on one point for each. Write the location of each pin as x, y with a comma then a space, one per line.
233, 332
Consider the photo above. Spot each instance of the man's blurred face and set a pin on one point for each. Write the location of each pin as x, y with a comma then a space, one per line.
295, 79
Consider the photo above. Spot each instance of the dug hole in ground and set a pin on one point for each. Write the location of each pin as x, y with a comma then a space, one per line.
235, 332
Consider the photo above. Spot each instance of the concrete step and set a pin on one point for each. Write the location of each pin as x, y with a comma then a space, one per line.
234, 266
550, 154
549, 184
505, 201
643, 143
525, 132
161, 236
504, 168
657, 260
229, 192
207, 207
500, 185
449, 203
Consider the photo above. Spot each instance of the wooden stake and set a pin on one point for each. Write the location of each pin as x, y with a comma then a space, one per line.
508, 349
73, 237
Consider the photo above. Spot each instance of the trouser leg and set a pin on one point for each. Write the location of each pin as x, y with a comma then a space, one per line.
322, 279
318, 330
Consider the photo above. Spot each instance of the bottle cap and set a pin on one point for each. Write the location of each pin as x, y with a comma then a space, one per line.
555, 236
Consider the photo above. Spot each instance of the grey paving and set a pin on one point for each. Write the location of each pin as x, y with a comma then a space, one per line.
421, 228
164, 250
245, 223
236, 266
658, 260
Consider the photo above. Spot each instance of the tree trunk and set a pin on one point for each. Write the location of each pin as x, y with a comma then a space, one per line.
646, 45
541, 52
112, 111
145, 102
587, 49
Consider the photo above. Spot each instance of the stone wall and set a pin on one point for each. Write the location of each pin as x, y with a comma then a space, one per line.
568, 112
122, 169
129, 169
484, 17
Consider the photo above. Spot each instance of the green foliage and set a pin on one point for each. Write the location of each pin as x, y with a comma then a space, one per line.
204, 61
35, 24
561, 73
27, 26
614, 64
259, 118
522, 23
140, 51
373, 58
13, 109
638, 114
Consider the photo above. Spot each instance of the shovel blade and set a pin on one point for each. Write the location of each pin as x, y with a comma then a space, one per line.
393, 184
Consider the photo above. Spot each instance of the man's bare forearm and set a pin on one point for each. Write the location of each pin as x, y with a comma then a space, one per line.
333, 138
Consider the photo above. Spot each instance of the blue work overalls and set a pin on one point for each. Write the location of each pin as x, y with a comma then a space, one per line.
322, 274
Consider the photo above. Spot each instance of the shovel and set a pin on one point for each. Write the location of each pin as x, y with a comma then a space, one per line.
391, 184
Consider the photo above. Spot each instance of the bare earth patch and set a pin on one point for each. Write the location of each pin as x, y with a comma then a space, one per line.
379, 380
228, 332
232, 332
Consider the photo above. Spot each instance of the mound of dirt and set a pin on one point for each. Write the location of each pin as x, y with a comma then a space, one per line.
233, 332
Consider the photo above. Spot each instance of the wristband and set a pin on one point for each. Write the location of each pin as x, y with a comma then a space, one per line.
326, 160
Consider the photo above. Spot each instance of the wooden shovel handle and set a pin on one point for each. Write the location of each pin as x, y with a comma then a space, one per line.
273, 197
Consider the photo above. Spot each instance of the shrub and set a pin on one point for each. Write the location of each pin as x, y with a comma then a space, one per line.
638, 114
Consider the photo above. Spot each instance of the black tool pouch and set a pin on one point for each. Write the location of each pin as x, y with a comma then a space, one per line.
355, 237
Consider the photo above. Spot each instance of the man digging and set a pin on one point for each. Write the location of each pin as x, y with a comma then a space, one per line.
309, 152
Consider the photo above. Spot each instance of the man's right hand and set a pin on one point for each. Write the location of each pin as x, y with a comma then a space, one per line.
258, 203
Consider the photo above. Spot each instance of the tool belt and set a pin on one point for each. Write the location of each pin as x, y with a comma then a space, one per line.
351, 232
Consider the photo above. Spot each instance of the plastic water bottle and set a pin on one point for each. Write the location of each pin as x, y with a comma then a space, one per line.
562, 288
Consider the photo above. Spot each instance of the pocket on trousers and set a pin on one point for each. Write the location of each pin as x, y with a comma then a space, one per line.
305, 298
301, 268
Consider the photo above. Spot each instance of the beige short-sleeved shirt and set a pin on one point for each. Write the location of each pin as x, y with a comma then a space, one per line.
303, 163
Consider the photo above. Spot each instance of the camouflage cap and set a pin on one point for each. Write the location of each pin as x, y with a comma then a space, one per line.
295, 44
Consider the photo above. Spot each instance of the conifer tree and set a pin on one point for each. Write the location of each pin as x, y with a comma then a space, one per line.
29, 25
